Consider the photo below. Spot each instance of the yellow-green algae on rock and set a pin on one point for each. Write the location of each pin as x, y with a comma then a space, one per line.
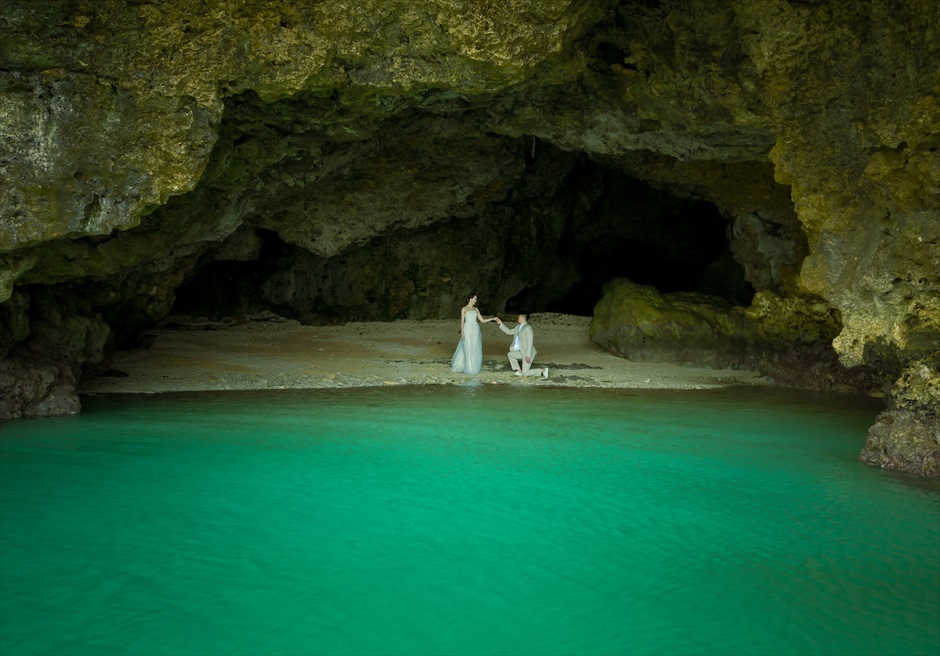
787, 338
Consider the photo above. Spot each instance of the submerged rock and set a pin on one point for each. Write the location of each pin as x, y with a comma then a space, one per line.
906, 436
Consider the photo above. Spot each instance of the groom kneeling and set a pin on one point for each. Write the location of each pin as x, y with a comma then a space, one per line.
522, 352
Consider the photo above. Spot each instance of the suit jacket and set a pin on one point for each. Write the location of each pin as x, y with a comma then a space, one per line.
526, 338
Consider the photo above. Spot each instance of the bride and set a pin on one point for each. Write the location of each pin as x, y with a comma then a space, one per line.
468, 358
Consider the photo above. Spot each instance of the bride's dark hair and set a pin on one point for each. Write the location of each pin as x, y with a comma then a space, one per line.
469, 296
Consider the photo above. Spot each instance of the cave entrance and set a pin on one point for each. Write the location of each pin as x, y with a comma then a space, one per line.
621, 227
601, 223
222, 286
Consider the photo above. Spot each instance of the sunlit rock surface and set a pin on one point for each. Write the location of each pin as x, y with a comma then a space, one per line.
378, 160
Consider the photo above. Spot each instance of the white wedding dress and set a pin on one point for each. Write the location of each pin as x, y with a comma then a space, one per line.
468, 358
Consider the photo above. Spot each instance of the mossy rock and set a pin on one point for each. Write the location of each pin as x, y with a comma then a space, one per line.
639, 323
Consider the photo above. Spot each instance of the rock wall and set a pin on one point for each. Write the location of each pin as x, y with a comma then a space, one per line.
137, 137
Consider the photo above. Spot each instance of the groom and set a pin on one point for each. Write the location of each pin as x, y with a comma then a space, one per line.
522, 352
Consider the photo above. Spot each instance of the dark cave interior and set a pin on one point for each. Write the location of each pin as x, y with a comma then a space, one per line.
645, 234
623, 227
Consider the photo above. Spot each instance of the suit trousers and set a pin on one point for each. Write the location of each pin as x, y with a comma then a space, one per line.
517, 360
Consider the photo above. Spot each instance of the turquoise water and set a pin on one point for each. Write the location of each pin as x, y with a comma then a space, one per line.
463, 520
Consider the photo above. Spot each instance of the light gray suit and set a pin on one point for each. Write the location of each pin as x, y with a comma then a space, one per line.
526, 348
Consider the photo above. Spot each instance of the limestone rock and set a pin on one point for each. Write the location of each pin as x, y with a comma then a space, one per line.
427, 171
786, 339
36, 389
904, 440
39, 375
906, 436
857, 142
639, 323
129, 95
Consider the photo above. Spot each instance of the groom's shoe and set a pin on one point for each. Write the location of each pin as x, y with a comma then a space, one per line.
545, 372
518, 373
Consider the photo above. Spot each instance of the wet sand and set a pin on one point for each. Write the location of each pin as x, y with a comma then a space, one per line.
273, 353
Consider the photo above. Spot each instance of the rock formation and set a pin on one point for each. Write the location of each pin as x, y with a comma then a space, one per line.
372, 160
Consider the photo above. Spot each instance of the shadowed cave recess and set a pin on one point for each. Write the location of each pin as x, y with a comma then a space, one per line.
605, 225
706, 188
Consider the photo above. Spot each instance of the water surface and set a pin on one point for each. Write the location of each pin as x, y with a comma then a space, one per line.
467, 520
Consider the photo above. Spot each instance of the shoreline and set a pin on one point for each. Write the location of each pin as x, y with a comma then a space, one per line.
268, 352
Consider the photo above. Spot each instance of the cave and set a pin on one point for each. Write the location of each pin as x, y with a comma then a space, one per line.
699, 185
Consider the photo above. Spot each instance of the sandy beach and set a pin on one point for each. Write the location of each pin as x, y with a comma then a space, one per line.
269, 352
